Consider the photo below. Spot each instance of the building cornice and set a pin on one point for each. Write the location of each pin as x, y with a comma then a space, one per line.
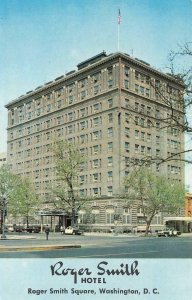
72, 75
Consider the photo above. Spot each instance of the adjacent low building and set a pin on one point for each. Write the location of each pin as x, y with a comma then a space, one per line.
115, 108
3, 158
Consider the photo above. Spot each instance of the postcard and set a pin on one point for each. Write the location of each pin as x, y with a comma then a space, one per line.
95, 110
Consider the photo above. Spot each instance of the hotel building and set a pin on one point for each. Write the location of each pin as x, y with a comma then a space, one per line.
116, 109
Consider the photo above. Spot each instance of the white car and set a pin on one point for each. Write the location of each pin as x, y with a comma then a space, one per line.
72, 230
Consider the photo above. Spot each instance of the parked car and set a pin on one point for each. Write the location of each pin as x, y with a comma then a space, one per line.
19, 228
72, 230
33, 229
10, 228
168, 232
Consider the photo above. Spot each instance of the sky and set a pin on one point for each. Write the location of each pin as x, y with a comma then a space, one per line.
44, 39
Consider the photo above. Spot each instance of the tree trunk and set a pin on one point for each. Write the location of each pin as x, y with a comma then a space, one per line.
147, 228
27, 221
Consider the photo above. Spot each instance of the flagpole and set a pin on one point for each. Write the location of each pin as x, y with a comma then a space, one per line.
119, 21
118, 38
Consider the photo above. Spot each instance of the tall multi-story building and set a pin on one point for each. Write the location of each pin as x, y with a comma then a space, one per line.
117, 110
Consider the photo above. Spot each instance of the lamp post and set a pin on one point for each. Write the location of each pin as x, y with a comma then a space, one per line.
4, 212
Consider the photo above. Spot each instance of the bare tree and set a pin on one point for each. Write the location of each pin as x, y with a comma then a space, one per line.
177, 99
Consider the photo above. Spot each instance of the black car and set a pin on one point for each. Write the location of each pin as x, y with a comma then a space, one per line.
33, 229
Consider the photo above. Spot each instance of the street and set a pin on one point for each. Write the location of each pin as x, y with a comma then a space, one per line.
97, 246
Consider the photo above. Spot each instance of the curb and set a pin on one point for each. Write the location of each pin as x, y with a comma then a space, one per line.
38, 248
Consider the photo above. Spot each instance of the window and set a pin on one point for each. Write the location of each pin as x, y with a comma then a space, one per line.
95, 217
127, 131
95, 163
126, 146
48, 107
109, 218
136, 75
137, 134
95, 177
147, 92
142, 108
110, 132
38, 138
82, 139
82, 112
142, 136
142, 122
29, 130
70, 129
143, 149
96, 89
126, 103
126, 71
59, 92
110, 146
82, 125
136, 148
95, 192
157, 168
157, 152
126, 219
82, 192
126, 117
96, 135
82, 83
109, 191
96, 107
149, 123
38, 111
59, 104
148, 137
110, 103
110, 83
136, 120
19, 144
157, 125
48, 123
109, 176
110, 161
136, 106
126, 215
29, 115
83, 95
157, 139
70, 116
136, 88
148, 150
126, 84
110, 118
148, 110
142, 90
96, 121
157, 113
96, 149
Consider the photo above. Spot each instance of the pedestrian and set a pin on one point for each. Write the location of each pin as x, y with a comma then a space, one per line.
47, 230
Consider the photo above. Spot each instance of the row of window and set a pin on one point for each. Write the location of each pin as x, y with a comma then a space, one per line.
95, 163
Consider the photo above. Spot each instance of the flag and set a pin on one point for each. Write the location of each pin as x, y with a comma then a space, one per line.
119, 17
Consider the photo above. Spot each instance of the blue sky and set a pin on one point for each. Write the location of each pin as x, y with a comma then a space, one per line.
43, 39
